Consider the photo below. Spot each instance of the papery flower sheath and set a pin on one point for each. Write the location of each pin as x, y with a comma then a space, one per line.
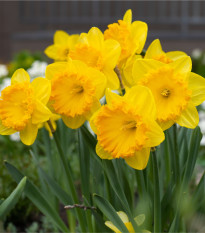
63, 43
175, 88
97, 53
75, 91
130, 35
126, 127
23, 106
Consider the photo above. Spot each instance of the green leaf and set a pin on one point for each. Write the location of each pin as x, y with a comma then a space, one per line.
54, 186
34, 194
193, 154
111, 214
13, 198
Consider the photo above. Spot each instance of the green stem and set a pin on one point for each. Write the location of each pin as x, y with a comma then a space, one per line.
176, 155
157, 205
141, 183
69, 179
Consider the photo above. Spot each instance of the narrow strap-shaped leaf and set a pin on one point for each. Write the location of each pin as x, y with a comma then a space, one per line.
109, 212
12, 199
34, 194
193, 154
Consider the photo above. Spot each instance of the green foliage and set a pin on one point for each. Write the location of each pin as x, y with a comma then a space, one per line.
24, 59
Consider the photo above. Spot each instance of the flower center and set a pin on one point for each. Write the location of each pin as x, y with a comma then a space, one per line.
165, 93
78, 89
132, 125
16, 106
66, 52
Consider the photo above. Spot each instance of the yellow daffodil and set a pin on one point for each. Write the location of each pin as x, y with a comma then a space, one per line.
126, 127
175, 88
63, 43
155, 52
23, 106
75, 91
130, 35
102, 55
139, 220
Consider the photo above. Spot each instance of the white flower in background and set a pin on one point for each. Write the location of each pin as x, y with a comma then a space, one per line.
196, 53
37, 69
3, 70
15, 137
5, 83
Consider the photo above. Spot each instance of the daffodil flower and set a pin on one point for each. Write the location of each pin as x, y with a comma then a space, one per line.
126, 127
139, 220
63, 43
97, 53
23, 106
155, 52
75, 91
175, 88
130, 35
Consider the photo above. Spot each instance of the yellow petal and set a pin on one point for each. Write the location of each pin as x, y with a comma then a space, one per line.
95, 107
127, 70
182, 65
138, 96
111, 52
155, 134
41, 113
128, 17
123, 216
154, 49
74, 122
61, 37
52, 51
139, 32
99, 80
29, 134
139, 160
141, 67
95, 38
112, 79
42, 89
189, 117
174, 55
73, 39
197, 85
54, 68
20, 76
102, 153
92, 121
112, 97
6, 131
166, 125
112, 226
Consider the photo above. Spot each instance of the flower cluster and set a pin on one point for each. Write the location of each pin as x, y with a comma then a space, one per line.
160, 90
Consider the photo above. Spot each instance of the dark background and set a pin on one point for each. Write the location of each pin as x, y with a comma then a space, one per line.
180, 25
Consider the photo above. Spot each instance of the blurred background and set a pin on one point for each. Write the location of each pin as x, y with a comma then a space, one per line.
27, 28
30, 25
